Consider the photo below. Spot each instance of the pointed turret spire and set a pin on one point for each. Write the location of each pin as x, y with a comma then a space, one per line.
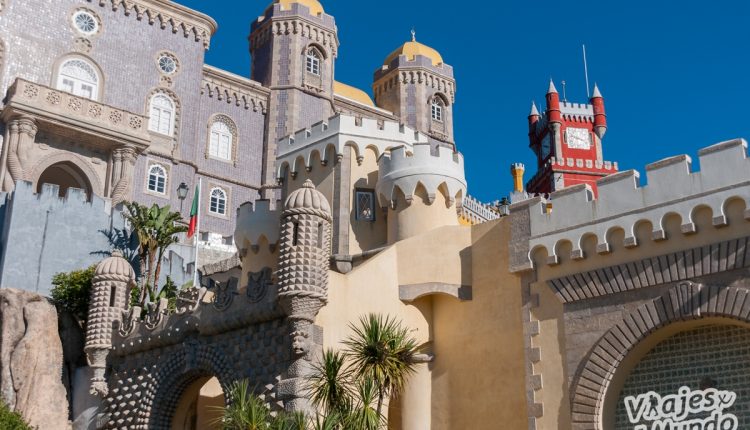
534, 111
552, 88
597, 93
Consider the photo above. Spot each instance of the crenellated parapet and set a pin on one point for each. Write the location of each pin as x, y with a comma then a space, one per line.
326, 141
257, 223
404, 171
674, 191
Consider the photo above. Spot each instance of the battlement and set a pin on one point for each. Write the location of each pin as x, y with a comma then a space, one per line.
476, 211
327, 140
256, 222
577, 111
673, 189
404, 170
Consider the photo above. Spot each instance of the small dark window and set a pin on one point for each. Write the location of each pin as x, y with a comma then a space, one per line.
295, 234
365, 205
112, 296
320, 235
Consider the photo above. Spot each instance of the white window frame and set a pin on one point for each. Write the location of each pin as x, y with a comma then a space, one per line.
89, 15
313, 61
78, 83
162, 117
437, 110
219, 194
157, 172
221, 140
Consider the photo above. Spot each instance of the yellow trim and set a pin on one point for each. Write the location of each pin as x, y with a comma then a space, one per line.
314, 5
412, 49
352, 93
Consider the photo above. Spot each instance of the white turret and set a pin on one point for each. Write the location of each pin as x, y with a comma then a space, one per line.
436, 180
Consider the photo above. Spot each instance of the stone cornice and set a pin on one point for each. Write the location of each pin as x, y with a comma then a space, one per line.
168, 14
419, 75
648, 272
284, 25
234, 89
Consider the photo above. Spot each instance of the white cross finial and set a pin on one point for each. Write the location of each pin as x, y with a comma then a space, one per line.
413, 35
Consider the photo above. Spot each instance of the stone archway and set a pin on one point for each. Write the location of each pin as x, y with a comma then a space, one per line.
65, 175
195, 362
685, 302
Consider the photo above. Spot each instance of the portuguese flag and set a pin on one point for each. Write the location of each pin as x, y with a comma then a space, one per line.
194, 213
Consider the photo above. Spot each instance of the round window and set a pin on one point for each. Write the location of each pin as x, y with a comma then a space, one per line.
167, 64
85, 22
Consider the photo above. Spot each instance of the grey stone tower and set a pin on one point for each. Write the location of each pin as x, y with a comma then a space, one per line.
113, 279
303, 283
293, 47
416, 84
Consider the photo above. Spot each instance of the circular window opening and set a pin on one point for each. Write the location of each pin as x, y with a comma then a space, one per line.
167, 64
85, 22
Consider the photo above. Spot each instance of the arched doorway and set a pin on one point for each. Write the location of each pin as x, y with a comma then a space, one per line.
199, 406
703, 358
65, 175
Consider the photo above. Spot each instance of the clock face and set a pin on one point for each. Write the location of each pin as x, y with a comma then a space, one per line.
578, 138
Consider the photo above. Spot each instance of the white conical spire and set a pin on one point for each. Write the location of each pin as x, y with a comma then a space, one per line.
552, 88
597, 93
534, 111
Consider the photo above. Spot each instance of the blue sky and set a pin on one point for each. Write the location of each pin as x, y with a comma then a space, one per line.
674, 74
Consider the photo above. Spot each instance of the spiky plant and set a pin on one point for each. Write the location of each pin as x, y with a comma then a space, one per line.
381, 352
364, 415
328, 385
245, 411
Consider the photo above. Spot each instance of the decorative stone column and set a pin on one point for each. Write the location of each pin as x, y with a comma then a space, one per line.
113, 279
21, 134
122, 175
304, 254
416, 399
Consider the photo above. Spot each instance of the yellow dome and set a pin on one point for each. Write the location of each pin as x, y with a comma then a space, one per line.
412, 49
352, 93
314, 5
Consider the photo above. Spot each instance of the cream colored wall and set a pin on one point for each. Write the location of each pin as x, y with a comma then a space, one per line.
365, 235
477, 377
419, 216
195, 408
210, 398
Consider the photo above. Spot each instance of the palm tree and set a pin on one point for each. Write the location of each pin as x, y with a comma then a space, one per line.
382, 353
364, 415
328, 385
245, 411
156, 228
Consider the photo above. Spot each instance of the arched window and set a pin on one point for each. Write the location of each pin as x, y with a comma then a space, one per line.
313, 61
218, 202
162, 112
79, 78
222, 139
157, 179
438, 109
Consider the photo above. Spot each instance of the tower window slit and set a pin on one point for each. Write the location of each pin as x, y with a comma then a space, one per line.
320, 235
112, 296
295, 234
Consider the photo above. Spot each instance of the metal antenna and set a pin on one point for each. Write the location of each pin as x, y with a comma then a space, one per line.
413, 35
565, 97
586, 72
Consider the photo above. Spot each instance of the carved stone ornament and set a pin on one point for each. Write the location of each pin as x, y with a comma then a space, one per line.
224, 294
258, 283
189, 299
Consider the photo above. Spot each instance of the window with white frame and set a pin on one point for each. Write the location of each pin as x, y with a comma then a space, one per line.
221, 140
365, 205
161, 114
157, 179
438, 108
313, 61
79, 78
218, 204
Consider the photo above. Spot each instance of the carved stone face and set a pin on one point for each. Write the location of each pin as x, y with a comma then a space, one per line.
299, 344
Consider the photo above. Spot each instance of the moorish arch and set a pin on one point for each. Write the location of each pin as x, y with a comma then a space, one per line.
608, 364
183, 368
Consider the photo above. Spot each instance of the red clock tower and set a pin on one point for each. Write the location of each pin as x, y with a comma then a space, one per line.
567, 141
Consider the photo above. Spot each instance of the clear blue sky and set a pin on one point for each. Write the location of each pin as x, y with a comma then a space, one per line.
674, 74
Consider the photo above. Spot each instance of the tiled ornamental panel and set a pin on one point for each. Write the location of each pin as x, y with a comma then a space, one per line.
714, 353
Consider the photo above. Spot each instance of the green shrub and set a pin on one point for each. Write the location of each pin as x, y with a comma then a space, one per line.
10, 420
72, 291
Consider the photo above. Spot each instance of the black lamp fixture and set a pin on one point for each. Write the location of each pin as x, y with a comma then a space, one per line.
182, 192
503, 207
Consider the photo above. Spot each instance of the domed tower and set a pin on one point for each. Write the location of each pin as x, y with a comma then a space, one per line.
416, 84
113, 279
305, 250
293, 47
422, 190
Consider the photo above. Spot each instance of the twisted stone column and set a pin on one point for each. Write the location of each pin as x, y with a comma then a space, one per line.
21, 134
122, 189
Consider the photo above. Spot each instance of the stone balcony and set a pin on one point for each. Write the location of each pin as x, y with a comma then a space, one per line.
91, 122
